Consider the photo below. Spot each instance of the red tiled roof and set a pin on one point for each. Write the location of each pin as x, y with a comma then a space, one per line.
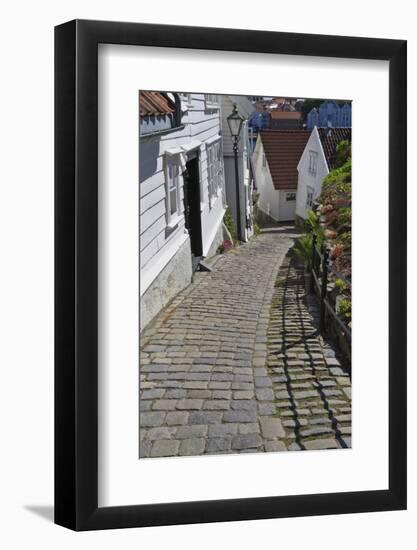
284, 115
155, 103
329, 138
283, 150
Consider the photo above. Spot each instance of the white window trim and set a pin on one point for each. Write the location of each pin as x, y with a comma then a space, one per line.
312, 164
172, 220
310, 190
212, 197
210, 104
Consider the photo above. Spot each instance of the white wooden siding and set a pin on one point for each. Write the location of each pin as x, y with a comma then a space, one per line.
306, 178
268, 201
157, 245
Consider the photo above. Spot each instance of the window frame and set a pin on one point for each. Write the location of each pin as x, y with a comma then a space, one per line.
214, 155
210, 103
310, 193
172, 218
290, 193
313, 160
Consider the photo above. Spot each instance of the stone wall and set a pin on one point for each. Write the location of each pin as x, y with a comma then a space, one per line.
263, 219
175, 276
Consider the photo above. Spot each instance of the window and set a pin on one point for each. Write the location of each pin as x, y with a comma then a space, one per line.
263, 161
310, 198
172, 191
186, 101
312, 167
290, 197
214, 170
211, 101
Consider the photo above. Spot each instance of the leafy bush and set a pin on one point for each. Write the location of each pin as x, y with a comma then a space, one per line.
340, 285
345, 239
344, 217
313, 226
343, 152
230, 224
256, 229
345, 309
338, 182
303, 247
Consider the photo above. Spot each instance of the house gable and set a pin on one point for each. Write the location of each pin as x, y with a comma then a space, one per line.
283, 149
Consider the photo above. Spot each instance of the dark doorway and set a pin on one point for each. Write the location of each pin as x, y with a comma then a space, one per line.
192, 210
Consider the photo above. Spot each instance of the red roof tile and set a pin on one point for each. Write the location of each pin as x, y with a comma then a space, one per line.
155, 103
283, 150
329, 138
284, 115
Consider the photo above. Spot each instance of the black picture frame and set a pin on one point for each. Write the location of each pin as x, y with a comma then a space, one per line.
76, 272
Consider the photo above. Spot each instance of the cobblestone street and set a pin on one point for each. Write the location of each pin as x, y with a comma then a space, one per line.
235, 364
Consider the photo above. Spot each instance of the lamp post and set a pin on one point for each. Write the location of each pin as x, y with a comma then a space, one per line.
235, 121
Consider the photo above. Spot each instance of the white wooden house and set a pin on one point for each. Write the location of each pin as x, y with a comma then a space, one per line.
275, 160
317, 160
245, 108
182, 203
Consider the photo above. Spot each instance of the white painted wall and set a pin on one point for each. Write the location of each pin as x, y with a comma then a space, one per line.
272, 202
305, 178
268, 201
156, 246
286, 207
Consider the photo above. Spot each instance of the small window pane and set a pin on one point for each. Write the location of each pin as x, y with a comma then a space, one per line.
173, 200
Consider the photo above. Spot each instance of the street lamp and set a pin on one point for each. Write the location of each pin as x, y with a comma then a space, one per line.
235, 121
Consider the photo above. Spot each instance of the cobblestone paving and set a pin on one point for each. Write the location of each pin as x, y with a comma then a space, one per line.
312, 392
224, 372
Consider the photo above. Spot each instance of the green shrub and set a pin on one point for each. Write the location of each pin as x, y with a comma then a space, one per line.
343, 152
345, 239
230, 224
303, 248
344, 216
340, 285
345, 309
338, 181
313, 226
256, 229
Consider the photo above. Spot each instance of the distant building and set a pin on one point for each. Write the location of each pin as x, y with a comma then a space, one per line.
275, 162
285, 120
318, 158
330, 114
260, 119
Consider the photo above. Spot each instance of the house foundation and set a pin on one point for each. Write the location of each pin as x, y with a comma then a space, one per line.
173, 278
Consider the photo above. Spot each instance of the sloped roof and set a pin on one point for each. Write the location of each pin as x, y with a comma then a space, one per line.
283, 150
329, 138
155, 103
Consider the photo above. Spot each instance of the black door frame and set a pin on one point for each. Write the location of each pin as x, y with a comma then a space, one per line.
192, 201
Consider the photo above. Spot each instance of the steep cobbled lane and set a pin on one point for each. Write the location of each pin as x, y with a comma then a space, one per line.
216, 371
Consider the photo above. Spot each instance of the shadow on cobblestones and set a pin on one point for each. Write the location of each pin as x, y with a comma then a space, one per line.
235, 363
307, 400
